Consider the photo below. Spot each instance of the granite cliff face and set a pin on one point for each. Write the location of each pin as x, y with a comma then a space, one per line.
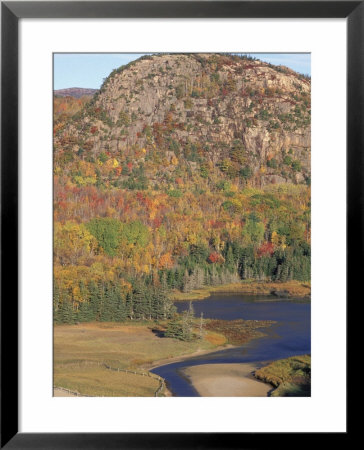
192, 116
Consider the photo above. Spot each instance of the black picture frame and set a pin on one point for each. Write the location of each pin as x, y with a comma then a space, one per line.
11, 12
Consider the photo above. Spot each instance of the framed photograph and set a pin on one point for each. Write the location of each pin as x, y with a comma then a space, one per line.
174, 256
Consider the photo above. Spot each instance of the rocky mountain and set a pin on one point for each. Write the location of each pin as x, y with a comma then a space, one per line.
182, 171
75, 92
168, 119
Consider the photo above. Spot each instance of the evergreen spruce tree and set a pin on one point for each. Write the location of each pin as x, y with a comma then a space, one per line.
201, 326
164, 282
113, 301
187, 284
140, 301
180, 327
199, 277
129, 306
171, 281
94, 294
187, 323
121, 314
156, 298
67, 314
178, 277
56, 304
168, 307
214, 279
84, 312
174, 328
101, 301
108, 311
229, 260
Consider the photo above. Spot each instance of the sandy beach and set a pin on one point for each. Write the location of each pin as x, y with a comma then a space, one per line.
226, 380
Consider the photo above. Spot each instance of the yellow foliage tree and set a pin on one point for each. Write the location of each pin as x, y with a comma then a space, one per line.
72, 241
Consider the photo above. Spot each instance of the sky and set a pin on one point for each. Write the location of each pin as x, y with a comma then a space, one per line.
88, 70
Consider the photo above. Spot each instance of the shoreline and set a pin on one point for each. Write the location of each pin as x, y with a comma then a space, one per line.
226, 380
132, 333
286, 290
166, 361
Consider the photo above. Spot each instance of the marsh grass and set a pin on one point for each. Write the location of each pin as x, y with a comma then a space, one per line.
293, 288
291, 377
238, 332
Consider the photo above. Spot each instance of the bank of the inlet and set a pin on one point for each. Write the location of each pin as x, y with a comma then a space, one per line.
85, 353
234, 322
288, 289
286, 377
287, 337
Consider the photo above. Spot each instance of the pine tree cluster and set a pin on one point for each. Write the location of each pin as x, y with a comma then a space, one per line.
105, 302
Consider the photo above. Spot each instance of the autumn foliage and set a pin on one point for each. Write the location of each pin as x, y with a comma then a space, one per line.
267, 248
141, 206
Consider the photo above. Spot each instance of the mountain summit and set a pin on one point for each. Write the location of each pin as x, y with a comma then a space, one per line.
168, 119
75, 92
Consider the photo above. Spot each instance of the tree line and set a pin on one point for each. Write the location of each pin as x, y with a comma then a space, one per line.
105, 301
239, 263
148, 297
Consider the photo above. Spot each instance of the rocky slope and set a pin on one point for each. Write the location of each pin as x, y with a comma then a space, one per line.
169, 118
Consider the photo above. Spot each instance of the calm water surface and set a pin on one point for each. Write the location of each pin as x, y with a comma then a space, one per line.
290, 336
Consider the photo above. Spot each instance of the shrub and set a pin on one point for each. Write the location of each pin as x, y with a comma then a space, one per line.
287, 160
246, 172
272, 163
296, 165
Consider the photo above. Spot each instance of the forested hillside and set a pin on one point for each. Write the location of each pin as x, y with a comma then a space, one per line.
184, 170
64, 107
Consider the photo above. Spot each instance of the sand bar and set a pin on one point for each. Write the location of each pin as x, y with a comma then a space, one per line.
226, 380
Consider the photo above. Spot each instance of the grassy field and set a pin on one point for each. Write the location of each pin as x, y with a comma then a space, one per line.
291, 377
293, 289
97, 381
80, 352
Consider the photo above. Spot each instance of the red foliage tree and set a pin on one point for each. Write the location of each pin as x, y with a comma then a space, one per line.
267, 248
214, 257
